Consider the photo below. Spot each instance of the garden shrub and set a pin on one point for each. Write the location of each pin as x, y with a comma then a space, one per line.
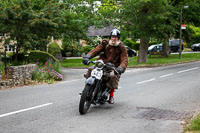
9, 54
86, 49
136, 46
185, 45
21, 59
130, 43
53, 49
192, 35
1, 69
48, 72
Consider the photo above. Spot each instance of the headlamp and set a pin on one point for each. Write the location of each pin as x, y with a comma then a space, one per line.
99, 64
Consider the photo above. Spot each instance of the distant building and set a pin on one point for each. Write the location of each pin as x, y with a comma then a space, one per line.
97, 32
8, 48
102, 32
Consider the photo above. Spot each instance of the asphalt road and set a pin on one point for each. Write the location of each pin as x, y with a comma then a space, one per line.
149, 100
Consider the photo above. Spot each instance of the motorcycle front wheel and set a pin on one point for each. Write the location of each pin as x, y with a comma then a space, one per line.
86, 99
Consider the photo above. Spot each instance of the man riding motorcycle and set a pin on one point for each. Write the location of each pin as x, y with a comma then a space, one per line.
113, 52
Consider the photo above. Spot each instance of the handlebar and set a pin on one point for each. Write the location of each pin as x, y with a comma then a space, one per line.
112, 68
116, 72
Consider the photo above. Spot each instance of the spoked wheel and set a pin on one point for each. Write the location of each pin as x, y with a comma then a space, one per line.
85, 100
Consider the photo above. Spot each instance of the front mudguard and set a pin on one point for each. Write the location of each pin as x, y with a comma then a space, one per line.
90, 81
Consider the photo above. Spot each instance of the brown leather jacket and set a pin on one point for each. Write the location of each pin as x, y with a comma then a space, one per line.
115, 54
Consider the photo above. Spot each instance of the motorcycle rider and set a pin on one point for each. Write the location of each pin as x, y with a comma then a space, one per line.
114, 52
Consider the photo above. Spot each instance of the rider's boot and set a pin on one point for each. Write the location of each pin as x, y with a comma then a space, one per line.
111, 98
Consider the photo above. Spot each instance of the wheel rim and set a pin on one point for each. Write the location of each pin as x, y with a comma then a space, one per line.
87, 103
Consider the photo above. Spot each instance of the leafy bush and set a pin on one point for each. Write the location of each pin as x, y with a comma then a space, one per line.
67, 44
41, 56
47, 72
53, 49
70, 46
31, 57
185, 45
56, 66
21, 59
130, 43
86, 49
136, 46
192, 35
1, 69
9, 54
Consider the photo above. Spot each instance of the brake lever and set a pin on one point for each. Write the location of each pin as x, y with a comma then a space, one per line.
116, 72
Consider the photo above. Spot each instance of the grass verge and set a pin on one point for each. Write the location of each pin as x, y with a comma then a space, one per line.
194, 125
155, 60
74, 63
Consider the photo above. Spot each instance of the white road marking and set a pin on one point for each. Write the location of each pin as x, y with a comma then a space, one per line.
23, 110
71, 80
166, 75
137, 70
188, 70
146, 81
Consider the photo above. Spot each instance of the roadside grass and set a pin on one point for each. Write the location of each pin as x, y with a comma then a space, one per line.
157, 60
194, 125
74, 63
154, 60
187, 50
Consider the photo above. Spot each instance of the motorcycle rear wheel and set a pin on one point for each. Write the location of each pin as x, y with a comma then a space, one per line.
85, 100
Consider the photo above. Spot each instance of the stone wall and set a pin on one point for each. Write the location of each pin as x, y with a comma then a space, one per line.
18, 76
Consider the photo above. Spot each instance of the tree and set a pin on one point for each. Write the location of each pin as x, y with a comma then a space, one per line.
190, 15
192, 34
107, 11
32, 23
146, 19
27, 26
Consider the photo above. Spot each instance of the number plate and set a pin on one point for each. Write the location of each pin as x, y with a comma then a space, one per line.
97, 73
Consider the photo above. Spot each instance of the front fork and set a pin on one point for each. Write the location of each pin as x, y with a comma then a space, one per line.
96, 83
96, 89
96, 96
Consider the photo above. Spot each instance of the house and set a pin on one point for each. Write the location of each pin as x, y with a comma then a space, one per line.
98, 32
102, 32
8, 48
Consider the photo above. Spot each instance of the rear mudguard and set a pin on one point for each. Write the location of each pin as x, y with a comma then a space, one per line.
90, 81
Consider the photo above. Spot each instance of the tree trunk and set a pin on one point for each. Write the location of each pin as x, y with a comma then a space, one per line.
142, 56
165, 48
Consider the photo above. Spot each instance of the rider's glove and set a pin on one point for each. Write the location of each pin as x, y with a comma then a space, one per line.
120, 70
104, 42
86, 59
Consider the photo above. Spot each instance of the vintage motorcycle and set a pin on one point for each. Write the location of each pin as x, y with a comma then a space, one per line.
96, 90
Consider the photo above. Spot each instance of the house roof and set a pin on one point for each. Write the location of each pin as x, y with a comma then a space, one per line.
105, 31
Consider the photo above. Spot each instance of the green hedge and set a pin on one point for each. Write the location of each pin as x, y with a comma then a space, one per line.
32, 57
41, 57
21, 59
130, 43
86, 49
53, 49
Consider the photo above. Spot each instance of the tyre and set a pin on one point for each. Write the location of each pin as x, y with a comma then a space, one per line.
85, 100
